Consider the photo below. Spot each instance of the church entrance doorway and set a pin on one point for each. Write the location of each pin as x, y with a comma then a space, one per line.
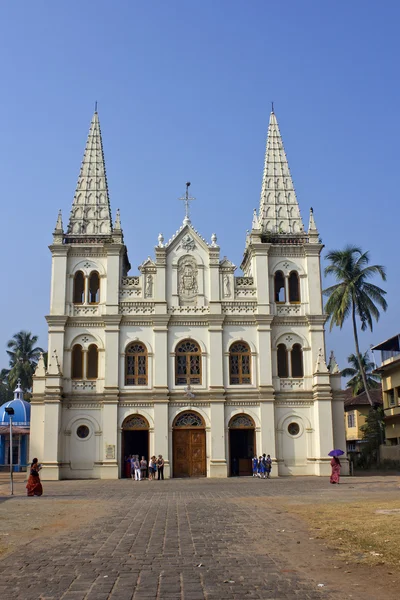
189, 443
241, 445
135, 440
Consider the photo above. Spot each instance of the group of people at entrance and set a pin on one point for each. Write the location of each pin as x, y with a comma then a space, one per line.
137, 469
262, 466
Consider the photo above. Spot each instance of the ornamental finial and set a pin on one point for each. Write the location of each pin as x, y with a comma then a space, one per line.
187, 199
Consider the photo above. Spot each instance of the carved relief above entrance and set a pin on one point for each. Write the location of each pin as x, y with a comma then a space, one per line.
187, 280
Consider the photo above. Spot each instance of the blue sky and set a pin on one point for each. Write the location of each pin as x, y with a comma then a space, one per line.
184, 91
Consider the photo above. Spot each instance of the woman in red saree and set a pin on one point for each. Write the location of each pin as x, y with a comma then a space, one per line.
34, 487
335, 475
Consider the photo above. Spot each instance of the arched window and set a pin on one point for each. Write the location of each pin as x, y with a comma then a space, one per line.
282, 361
79, 288
92, 362
239, 364
297, 361
188, 363
94, 288
136, 364
280, 295
77, 362
294, 287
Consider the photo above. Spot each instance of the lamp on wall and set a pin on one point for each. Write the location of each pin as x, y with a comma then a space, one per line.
10, 411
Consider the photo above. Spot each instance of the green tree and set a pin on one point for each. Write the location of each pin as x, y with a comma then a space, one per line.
373, 435
24, 356
353, 295
356, 382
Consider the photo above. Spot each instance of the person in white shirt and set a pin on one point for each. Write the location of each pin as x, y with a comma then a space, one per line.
138, 473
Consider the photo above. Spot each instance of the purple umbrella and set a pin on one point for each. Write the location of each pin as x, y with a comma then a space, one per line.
336, 452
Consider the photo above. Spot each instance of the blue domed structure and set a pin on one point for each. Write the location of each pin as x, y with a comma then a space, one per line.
21, 421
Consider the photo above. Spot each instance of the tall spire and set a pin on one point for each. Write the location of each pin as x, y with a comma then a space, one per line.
279, 210
91, 213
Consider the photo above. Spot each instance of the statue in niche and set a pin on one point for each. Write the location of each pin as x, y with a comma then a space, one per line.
149, 286
227, 286
187, 279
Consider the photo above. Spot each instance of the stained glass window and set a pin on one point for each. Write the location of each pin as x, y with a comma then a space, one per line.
188, 419
136, 364
239, 364
241, 422
188, 363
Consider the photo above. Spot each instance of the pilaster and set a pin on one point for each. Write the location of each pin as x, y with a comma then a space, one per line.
218, 464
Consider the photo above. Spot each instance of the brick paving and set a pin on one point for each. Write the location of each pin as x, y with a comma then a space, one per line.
177, 539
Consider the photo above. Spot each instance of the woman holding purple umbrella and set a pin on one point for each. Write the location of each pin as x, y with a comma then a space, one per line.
335, 464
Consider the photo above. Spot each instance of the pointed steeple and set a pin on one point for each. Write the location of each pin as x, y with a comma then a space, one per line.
333, 367
91, 213
279, 211
313, 234
58, 233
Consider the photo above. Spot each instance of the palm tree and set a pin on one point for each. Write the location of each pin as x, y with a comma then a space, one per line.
23, 359
353, 295
356, 382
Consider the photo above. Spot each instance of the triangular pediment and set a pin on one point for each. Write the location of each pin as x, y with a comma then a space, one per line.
226, 265
147, 265
186, 239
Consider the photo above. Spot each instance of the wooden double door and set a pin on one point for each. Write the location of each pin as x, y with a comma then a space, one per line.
189, 452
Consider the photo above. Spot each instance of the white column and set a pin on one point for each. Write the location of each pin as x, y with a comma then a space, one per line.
109, 469
218, 462
161, 427
50, 459
268, 441
58, 279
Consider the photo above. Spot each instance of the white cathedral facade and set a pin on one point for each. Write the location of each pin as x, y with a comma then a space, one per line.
185, 358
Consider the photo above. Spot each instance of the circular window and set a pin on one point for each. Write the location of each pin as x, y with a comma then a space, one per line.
82, 431
293, 428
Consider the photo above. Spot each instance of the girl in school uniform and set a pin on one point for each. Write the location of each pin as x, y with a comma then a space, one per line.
261, 468
255, 466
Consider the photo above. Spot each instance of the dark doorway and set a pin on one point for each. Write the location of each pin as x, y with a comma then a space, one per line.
241, 451
134, 442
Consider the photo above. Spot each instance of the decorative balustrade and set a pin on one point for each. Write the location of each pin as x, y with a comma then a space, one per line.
244, 282
291, 384
236, 308
83, 310
130, 282
288, 310
84, 386
138, 308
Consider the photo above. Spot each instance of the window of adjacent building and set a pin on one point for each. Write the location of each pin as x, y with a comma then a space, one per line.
294, 287
351, 419
351, 447
136, 364
296, 356
391, 399
92, 362
239, 364
279, 282
77, 362
94, 288
187, 363
79, 288
282, 361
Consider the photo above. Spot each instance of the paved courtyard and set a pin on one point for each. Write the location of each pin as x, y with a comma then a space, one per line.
183, 539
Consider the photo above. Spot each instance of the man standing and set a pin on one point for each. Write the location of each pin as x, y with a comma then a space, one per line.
160, 467
138, 474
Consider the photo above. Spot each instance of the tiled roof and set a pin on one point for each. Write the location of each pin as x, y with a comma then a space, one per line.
361, 399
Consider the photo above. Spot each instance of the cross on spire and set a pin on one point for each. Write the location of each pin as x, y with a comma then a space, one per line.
187, 199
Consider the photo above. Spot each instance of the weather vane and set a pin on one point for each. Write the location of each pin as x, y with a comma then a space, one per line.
187, 199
